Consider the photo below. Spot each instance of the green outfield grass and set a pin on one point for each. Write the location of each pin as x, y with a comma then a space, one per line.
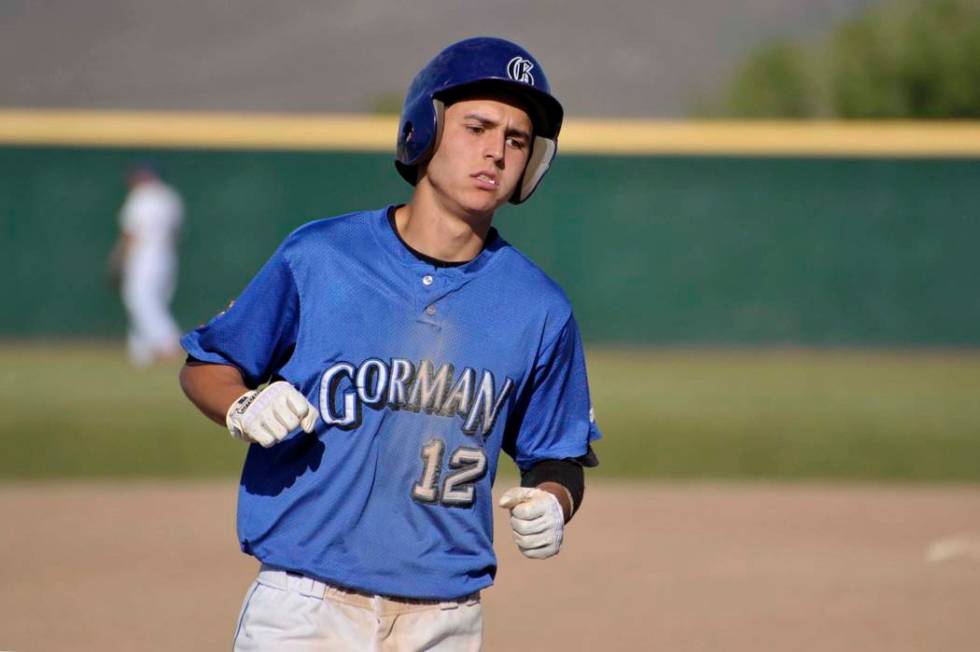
80, 410
860, 415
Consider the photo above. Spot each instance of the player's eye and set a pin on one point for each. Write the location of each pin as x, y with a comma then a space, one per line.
516, 143
474, 129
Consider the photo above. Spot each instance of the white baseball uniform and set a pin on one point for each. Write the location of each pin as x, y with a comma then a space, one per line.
151, 217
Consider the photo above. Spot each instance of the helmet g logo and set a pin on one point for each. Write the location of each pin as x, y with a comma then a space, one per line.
519, 69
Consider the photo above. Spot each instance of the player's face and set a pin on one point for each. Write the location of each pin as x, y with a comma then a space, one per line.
481, 155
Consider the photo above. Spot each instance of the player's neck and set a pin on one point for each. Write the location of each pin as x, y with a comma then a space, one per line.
429, 228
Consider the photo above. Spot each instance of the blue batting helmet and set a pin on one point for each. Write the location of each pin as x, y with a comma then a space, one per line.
479, 62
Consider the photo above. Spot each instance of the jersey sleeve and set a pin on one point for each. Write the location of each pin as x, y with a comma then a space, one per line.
554, 418
257, 332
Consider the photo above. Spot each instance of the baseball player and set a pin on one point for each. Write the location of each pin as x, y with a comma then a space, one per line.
404, 348
144, 260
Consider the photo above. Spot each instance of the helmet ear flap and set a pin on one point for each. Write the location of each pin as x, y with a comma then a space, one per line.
439, 110
439, 107
408, 131
421, 128
543, 151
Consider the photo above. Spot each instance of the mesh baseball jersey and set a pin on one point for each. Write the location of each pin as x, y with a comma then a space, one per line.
422, 375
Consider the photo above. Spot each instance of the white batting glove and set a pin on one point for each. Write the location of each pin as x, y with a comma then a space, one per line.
266, 417
536, 519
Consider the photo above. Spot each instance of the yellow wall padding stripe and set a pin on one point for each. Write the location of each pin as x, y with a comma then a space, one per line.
197, 130
582, 136
743, 138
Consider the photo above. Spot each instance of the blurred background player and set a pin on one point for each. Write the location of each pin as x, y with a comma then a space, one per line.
143, 264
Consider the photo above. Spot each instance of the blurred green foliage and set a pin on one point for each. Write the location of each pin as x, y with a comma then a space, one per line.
773, 82
79, 410
917, 59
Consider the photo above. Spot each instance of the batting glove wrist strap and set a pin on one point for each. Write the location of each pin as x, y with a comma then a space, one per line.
234, 417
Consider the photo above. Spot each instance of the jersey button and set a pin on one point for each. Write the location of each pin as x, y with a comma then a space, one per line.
427, 280
430, 310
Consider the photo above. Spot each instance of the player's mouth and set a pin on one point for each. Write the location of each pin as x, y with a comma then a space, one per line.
486, 180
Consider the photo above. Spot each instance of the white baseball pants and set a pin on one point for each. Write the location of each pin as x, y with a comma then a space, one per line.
289, 612
148, 287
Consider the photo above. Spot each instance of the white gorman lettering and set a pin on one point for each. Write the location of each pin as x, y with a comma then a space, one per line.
429, 387
364, 379
400, 385
484, 405
328, 389
460, 396
402, 373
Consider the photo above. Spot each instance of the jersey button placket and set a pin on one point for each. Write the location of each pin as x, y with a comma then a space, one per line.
428, 298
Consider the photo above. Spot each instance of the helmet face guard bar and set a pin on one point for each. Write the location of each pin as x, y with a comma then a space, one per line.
469, 66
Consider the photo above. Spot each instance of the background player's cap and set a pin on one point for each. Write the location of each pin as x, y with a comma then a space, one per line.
142, 170
471, 64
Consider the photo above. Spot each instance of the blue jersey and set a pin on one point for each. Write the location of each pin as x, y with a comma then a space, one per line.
422, 375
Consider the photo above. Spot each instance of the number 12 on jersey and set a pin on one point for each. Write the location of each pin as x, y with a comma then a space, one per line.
467, 465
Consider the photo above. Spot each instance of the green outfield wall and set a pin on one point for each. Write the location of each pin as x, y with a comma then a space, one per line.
652, 249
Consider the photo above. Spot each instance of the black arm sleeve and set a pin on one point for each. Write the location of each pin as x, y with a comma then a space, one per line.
569, 473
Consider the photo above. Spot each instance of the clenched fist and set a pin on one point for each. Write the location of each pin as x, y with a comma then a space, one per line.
266, 417
536, 519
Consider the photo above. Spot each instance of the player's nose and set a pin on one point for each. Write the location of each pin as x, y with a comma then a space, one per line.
494, 147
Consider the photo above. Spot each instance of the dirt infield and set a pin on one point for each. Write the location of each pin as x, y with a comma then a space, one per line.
645, 567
